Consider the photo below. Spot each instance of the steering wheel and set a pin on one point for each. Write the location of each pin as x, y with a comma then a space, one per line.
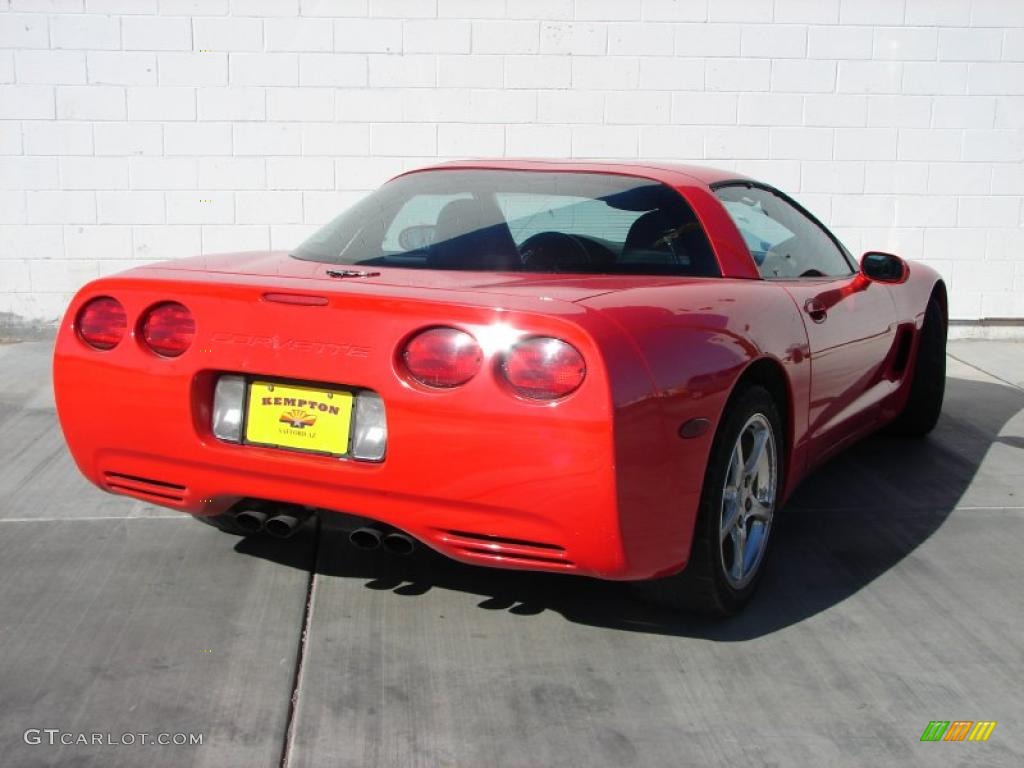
812, 273
554, 252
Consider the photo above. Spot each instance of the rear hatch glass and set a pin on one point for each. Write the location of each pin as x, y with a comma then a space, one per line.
518, 221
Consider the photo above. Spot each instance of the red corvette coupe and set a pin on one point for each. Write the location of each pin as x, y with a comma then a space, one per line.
617, 370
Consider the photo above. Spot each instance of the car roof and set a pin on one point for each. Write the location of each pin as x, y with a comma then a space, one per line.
663, 171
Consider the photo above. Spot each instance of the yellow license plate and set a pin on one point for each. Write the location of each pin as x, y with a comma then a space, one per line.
304, 418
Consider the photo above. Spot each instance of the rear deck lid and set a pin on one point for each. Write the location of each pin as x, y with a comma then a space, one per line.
278, 264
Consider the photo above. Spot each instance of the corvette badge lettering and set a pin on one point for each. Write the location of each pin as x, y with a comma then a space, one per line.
292, 345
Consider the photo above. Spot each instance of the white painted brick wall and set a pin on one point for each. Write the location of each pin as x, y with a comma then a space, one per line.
133, 130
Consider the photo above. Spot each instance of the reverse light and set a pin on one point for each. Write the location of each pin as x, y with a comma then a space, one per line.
442, 357
543, 368
102, 323
168, 329
370, 433
228, 400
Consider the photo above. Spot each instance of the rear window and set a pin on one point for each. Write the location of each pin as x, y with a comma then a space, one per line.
518, 221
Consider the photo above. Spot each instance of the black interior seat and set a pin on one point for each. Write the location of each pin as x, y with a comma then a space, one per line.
650, 240
472, 234
657, 239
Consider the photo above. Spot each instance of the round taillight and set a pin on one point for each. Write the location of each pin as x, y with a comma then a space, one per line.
168, 329
442, 357
543, 368
102, 323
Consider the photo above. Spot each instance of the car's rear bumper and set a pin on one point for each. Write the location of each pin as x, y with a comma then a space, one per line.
481, 508
477, 474
508, 532
566, 524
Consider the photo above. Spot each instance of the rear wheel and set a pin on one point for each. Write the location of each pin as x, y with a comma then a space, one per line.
737, 508
928, 386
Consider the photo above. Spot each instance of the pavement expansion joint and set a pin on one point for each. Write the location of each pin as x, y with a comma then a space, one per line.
300, 654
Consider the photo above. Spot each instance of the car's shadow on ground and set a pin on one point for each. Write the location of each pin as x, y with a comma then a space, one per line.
849, 523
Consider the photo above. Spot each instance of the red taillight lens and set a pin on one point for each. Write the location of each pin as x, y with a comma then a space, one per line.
168, 329
543, 368
102, 323
442, 357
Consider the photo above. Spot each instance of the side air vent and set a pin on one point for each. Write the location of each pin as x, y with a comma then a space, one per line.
901, 351
159, 490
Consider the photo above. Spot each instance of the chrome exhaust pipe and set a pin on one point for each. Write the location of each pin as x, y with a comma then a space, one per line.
365, 538
284, 525
251, 520
399, 544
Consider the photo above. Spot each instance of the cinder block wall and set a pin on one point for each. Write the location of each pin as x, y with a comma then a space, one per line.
133, 130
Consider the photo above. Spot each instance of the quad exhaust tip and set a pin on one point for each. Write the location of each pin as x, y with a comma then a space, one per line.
398, 544
251, 520
281, 523
285, 525
365, 538
369, 537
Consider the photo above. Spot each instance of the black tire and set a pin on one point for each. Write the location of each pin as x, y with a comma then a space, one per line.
928, 386
703, 586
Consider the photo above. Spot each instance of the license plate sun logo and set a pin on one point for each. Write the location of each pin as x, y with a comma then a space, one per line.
298, 419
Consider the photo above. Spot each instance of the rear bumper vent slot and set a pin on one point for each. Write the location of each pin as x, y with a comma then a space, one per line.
161, 490
541, 554
518, 557
488, 539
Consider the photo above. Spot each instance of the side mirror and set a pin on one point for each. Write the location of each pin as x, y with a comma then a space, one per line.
883, 267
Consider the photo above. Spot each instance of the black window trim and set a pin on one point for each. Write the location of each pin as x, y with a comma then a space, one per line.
750, 183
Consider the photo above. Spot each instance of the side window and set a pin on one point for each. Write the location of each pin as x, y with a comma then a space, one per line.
782, 240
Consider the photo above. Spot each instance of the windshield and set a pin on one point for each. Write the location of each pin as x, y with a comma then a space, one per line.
518, 221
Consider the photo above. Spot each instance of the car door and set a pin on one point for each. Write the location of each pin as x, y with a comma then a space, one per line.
850, 321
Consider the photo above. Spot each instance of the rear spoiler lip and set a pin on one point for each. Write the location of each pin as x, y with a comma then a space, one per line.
168, 271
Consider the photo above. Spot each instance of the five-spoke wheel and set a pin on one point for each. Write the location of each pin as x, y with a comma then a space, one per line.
748, 501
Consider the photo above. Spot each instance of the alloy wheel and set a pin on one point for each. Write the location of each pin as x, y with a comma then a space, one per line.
748, 501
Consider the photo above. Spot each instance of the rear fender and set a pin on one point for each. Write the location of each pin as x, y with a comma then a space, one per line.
697, 341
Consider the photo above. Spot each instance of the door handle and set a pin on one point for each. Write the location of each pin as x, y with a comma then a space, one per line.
816, 310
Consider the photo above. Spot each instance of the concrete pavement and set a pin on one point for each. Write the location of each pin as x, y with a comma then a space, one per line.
893, 598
